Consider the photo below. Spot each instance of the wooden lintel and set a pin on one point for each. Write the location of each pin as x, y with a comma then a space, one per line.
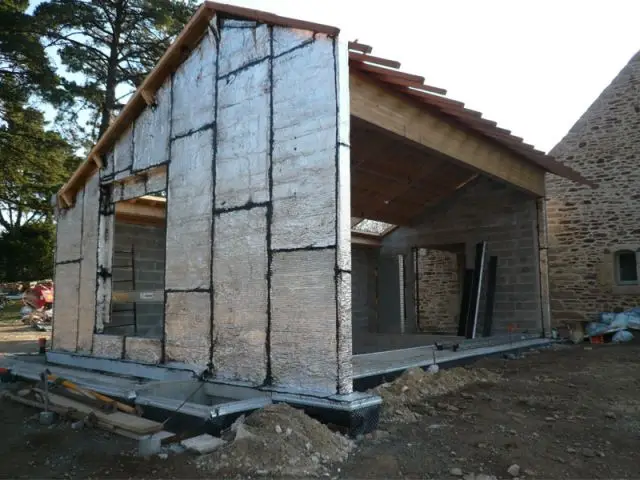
368, 240
396, 113
152, 212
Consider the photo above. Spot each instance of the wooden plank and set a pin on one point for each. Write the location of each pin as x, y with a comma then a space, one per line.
403, 82
398, 114
131, 423
146, 210
386, 71
360, 47
361, 57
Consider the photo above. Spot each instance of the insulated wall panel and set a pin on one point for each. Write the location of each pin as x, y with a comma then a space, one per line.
108, 346
194, 89
303, 320
240, 295
242, 159
304, 147
345, 345
65, 311
189, 212
88, 265
123, 151
188, 327
241, 46
69, 232
152, 130
284, 39
143, 350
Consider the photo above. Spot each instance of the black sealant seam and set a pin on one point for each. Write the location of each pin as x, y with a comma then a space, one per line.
297, 47
246, 66
269, 58
67, 262
269, 217
214, 133
308, 248
193, 131
163, 341
247, 206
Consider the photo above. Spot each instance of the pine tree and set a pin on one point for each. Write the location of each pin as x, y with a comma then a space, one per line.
108, 46
24, 66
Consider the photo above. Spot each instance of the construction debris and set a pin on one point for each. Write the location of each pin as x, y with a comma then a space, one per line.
303, 445
70, 401
202, 444
405, 399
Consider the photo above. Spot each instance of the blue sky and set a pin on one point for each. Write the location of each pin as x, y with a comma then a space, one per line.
532, 66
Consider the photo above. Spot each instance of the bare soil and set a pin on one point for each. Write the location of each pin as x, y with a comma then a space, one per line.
572, 412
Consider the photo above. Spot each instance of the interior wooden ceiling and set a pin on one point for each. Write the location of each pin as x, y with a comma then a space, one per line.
393, 180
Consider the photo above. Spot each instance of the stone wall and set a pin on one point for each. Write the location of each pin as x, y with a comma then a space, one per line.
504, 217
439, 291
587, 226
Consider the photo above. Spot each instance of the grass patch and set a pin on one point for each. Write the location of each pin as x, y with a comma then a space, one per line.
11, 311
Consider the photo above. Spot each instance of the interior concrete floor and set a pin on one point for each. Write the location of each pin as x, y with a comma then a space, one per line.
380, 342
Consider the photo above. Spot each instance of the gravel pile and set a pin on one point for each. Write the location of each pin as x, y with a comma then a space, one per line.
406, 398
278, 439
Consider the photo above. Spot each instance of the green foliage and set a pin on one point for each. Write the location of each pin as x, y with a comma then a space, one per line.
24, 66
26, 252
108, 47
35, 163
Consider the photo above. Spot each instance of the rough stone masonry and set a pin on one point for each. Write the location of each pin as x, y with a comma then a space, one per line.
588, 226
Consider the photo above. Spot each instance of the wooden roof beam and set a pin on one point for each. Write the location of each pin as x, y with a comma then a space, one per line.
397, 114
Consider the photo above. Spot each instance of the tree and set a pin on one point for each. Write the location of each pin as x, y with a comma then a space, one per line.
34, 164
26, 252
110, 45
25, 68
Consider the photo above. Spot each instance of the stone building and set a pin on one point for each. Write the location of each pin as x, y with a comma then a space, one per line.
257, 208
594, 234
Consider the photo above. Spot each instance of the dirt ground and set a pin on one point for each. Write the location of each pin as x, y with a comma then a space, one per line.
572, 412
16, 337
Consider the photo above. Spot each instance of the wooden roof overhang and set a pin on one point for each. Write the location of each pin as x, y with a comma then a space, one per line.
411, 145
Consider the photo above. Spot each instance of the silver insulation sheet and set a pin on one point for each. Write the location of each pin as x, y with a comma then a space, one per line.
240, 295
152, 130
143, 350
123, 151
344, 157
242, 160
65, 309
69, 231
189, 212
240, 46
108, 346
303, 320
188, 327
194, 89
88, 265
304, 149
284, 39
345, 350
